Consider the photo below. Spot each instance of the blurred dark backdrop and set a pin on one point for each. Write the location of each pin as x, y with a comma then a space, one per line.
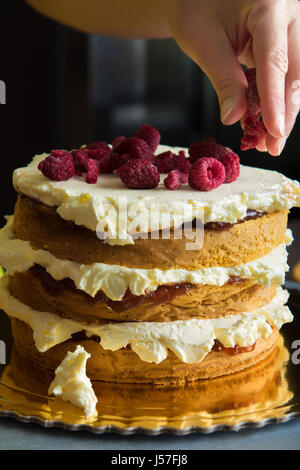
65, 88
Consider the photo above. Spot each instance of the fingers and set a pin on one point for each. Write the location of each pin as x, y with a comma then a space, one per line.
220, 63
275, 145
261, 146
270, 49
292, 91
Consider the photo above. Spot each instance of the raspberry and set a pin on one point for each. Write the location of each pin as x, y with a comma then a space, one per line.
80, 157
175, 179
118, 160
58, 166
102, 147
60, 154
92, 171
139, 173
78, 172
252, 126
231, 164
181, 163
252, 93
249, 142
100, 155
131, 145
164, 162
104, 165
117, 140
207, 147
184, 178
206, 174
150, 135
253, 130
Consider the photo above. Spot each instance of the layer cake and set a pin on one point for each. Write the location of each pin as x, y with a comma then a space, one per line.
109, 284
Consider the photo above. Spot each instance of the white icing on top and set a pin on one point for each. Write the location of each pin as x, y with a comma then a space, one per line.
18, 256
190, 340
100, 207
72, 383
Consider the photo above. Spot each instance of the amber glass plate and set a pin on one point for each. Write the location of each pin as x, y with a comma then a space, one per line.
267, 392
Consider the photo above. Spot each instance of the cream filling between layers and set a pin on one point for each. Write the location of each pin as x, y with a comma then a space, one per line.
18, 256
119, 212
190, 340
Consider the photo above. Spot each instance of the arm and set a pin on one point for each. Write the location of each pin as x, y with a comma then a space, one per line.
118, 18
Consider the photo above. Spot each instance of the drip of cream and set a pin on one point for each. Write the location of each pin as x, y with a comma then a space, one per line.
72, 383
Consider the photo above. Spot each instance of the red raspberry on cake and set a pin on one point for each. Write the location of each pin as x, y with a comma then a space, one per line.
164, 162
150, 135
102, 147
207, 147
101, 155
104, 165
92, 171
131, 145
168, 161
117, 140
181, 163
118, 160
80, 157
175, 179
58, 166
231, 163
139, 173
206, 174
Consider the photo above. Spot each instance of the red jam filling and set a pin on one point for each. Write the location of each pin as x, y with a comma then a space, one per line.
218, 347
161, 295
250, 215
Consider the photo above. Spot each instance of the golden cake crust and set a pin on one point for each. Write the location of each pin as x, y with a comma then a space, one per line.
45, 229
124, 366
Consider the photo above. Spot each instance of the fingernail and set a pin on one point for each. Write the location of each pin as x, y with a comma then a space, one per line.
226, 108
281, 144
281, 124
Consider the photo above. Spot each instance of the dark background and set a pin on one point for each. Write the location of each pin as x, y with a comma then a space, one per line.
66, 88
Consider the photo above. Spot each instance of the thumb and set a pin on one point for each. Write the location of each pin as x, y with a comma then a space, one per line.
222, 67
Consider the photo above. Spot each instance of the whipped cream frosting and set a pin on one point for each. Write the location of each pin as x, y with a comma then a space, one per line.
116, 213
72, 384
190, 340
18, 256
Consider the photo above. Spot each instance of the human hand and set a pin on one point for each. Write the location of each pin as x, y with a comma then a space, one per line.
221, 35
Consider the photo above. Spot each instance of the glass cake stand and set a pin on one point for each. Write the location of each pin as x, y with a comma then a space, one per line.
265, 393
